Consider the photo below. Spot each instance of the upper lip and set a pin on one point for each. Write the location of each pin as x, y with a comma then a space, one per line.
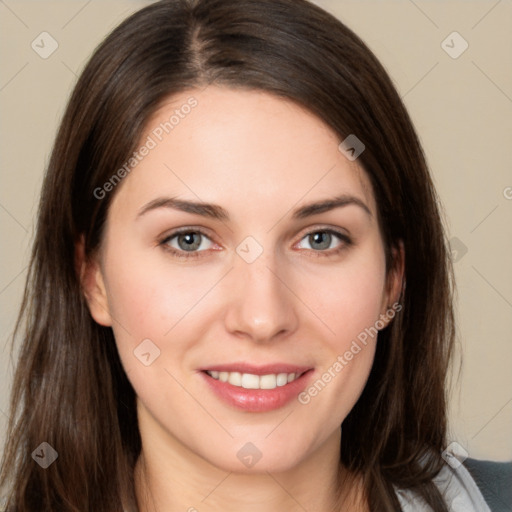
274, 368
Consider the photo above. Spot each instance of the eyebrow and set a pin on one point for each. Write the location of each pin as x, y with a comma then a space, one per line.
216, 212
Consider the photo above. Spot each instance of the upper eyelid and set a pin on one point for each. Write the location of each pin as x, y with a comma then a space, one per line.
325, 227
187, 229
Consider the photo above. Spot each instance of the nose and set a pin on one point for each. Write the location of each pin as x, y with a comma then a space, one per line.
261, 305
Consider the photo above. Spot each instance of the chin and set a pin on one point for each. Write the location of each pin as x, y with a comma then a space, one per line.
252, 458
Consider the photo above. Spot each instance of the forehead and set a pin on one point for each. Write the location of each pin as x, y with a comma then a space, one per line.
240, 148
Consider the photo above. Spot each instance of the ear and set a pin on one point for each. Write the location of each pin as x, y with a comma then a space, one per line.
395, 281
92, 284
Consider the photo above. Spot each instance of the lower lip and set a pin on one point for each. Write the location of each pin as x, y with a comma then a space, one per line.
258, 400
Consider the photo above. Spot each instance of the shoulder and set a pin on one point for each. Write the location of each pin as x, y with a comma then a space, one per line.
472, 486
494, 480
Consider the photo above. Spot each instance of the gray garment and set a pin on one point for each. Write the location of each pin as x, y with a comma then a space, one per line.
494, 479
457, 487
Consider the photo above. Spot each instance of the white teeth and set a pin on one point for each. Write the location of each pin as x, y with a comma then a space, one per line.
282, 379
267, 382
250, 381
235, 378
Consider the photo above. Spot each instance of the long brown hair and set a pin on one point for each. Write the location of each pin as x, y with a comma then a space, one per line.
70, 389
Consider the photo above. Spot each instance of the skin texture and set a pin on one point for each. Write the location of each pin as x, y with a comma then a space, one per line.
260, 158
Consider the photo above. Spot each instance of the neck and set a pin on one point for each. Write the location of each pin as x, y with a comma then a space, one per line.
168, 476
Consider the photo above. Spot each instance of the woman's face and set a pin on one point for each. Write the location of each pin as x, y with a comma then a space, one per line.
261, 288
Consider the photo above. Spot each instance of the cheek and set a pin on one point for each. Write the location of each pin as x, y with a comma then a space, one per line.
348, 297
146, 300
149, 297
150, 305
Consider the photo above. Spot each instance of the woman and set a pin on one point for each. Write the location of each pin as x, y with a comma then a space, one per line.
240, 292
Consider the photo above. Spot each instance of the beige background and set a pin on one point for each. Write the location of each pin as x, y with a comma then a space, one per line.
462, 109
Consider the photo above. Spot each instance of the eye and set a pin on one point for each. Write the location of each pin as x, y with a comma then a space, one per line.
325, 242
186, 243
190, 243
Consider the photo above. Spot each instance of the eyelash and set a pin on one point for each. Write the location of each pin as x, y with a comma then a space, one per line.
346, 242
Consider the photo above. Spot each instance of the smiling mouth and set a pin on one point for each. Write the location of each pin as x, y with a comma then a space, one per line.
252, 381
251, 388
